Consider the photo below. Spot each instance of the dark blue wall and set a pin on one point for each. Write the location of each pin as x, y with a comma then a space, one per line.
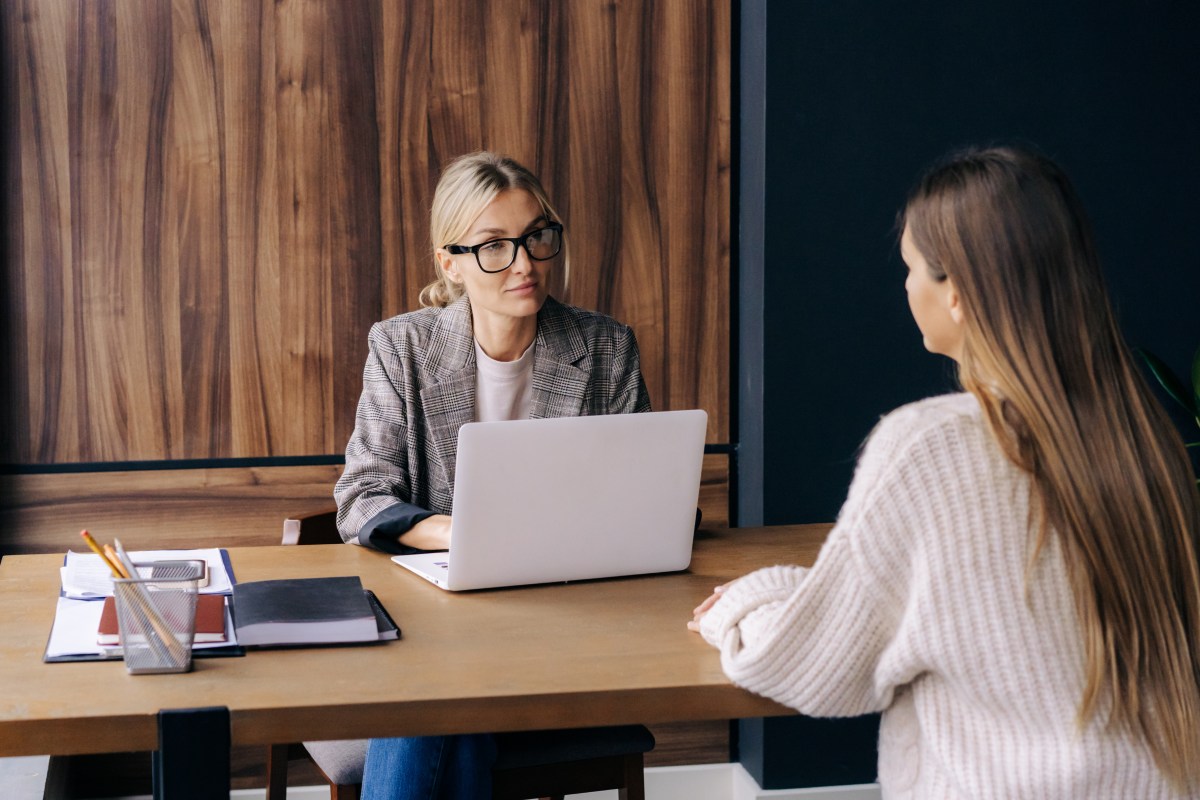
861, 96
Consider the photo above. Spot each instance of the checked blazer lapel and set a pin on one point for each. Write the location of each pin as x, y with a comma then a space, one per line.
448, 397
559, 387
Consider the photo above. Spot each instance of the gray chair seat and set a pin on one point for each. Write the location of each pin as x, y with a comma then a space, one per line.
341, 760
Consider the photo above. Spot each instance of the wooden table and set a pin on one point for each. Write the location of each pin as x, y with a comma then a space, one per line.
592, 653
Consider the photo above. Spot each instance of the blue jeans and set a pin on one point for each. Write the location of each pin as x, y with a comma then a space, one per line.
429, 768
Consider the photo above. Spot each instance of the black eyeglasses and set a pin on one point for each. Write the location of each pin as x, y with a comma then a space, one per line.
497, 255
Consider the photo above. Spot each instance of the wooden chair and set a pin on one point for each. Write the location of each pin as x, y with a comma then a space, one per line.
528, 764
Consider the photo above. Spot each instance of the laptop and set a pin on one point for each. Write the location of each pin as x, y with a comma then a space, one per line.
571, 498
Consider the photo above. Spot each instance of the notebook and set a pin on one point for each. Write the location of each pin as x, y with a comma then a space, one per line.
210, 620
571, 498
306, 611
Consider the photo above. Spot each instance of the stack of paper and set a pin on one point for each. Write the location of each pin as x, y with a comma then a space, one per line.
85, 576
86, 581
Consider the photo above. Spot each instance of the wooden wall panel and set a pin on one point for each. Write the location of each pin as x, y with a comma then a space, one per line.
215, 507
210, 202
159, 509
246, 65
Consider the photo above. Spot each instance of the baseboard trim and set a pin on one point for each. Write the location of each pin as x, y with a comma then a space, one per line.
746, 788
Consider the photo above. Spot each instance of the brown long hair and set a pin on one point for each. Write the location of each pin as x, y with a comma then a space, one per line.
1112, 481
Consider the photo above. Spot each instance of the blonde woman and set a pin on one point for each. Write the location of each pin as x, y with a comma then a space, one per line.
1013, 578
490, 344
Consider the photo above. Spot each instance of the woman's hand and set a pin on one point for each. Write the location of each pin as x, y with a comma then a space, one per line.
431, 533
699, 611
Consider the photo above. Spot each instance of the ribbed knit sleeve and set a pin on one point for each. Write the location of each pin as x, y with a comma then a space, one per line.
818, 639
782, 648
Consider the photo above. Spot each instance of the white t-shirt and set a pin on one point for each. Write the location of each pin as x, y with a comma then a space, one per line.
503, 389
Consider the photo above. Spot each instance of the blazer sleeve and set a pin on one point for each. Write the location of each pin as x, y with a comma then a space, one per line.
629, 393
373, 494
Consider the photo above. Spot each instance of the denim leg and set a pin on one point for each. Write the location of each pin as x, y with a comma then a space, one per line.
403, 769
429, 768
467, 774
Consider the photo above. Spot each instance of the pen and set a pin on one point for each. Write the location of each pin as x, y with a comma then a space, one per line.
111, 562
123, 559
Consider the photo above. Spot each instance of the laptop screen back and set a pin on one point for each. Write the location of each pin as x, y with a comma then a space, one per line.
575, 498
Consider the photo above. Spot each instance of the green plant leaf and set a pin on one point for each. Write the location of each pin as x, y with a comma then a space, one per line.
1170, 381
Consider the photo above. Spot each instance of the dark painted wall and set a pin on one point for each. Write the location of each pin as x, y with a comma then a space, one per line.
860, 97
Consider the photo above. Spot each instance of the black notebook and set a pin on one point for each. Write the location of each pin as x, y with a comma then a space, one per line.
387, 627
304, 611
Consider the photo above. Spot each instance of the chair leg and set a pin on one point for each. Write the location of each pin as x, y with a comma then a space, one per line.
344, 791
277, 765
635, 779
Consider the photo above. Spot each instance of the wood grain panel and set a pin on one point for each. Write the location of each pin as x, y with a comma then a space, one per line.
210, 202
714, 491
682, 743
210, 507
408, 169
245, 62
151, 509
42, 413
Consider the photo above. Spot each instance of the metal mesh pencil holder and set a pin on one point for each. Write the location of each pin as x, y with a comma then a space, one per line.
156, 614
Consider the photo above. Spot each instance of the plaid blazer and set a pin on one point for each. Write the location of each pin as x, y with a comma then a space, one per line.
419, 389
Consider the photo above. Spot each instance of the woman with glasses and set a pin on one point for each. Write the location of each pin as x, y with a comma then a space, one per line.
489, 344
1013, 579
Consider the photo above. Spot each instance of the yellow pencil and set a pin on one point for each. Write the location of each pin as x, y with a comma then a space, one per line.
116, 561
112, 564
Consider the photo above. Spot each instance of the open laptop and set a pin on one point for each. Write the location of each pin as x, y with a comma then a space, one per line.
572, 498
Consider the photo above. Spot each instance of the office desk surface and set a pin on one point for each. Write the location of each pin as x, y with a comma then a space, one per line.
595, 653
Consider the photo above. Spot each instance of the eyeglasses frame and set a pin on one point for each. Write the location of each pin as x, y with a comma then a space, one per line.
518, 241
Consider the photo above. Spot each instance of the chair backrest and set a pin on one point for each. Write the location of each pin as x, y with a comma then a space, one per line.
318, 527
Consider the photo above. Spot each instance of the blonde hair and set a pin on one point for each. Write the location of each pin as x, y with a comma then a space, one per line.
467, 185
1062, 394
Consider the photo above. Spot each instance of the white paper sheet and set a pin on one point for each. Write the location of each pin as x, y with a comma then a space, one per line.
76, 623
85, 575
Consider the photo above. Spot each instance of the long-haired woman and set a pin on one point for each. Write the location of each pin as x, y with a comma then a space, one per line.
1013, 578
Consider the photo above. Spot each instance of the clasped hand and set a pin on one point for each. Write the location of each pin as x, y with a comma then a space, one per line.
699, 611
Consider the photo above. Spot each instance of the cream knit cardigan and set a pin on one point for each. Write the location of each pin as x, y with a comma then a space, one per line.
918, 607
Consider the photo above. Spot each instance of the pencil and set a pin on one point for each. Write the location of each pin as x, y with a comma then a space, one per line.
112, 556
112, 563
